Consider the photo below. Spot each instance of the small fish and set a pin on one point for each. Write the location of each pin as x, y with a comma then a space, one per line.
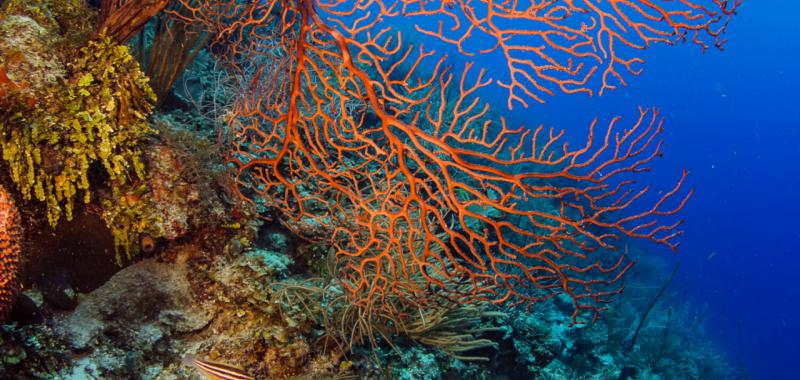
216, 370
711, 255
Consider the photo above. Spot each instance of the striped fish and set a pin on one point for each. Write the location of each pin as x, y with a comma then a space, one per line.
216, 370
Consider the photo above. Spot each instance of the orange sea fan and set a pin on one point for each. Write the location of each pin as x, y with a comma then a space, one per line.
378, 147
544, 47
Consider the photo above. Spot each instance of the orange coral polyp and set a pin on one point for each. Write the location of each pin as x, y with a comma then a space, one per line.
406, 172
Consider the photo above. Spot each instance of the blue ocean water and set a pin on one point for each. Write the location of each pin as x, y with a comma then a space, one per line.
732, 120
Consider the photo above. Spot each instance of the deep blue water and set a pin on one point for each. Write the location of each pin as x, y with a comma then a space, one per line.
733, 120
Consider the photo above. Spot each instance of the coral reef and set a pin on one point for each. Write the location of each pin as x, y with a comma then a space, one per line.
40, 67
318, 201
77, 126
10, 239
33, 347
399, 165
182, 193
186, 183
227, 308
214, 306
98, 117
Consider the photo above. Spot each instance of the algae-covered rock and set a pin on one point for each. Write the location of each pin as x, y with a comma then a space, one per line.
38, 65
73, 20
151, 295
141, 306
179, 201
418, 365
268, 263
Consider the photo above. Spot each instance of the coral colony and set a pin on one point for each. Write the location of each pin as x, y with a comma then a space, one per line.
311, 189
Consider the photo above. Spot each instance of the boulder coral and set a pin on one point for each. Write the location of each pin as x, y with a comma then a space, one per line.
10, 234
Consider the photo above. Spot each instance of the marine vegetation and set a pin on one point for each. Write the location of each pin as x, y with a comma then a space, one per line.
166, 34
77, 118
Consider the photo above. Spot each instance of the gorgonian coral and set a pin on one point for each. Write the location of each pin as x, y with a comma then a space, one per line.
380, 148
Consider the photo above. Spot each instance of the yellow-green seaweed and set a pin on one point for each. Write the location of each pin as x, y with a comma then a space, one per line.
99, 114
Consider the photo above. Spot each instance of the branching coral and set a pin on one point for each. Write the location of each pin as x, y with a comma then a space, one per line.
397, 163
542, 47
536, 48
97, 116
10, 238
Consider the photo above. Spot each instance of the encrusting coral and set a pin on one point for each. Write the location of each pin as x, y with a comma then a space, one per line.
10, 234
75, 103
99, 116
73, 18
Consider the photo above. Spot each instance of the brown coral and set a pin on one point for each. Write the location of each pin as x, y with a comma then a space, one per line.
10, 234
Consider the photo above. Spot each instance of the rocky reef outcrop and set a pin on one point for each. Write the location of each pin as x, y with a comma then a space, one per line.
124, 327
149, 315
